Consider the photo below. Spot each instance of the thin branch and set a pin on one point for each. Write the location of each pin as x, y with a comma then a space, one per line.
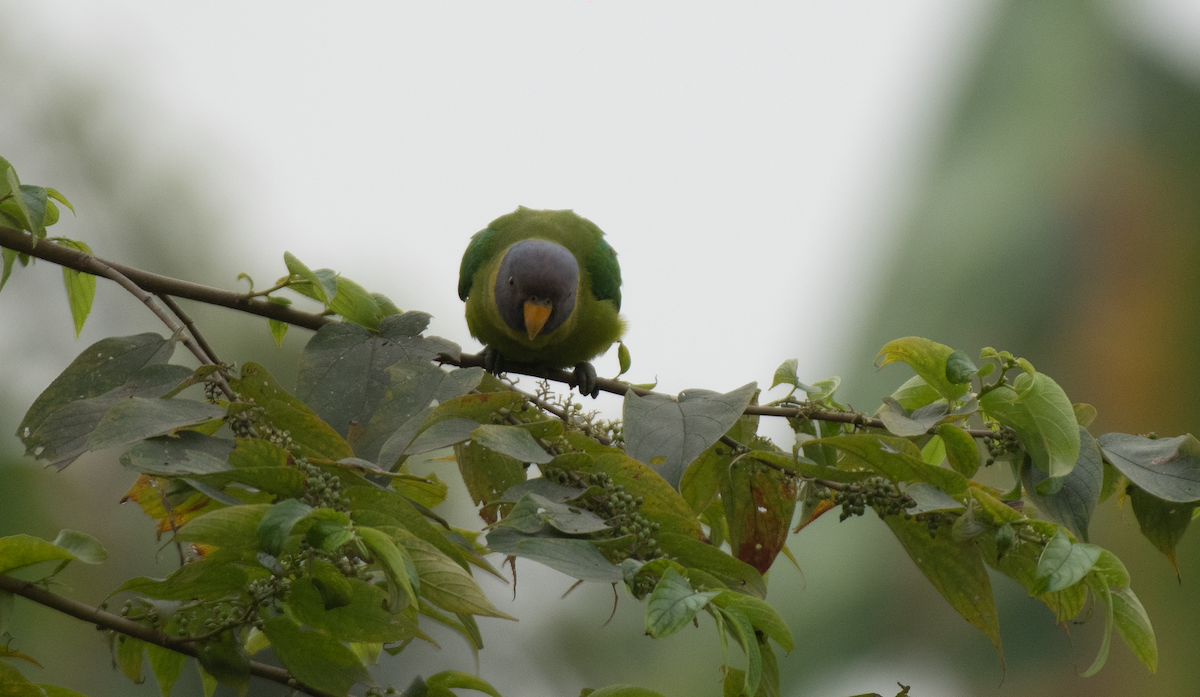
23, 242
116, 623
202, 355
191, 327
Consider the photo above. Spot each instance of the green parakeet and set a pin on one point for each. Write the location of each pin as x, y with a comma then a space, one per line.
542, 288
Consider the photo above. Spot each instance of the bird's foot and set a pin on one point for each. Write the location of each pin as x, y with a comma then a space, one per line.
585, 380
493, 362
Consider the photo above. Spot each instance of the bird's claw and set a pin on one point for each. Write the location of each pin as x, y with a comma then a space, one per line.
492, 361
585, 380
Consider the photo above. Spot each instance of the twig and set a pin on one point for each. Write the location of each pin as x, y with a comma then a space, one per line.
23, 242
116, 623
191, 327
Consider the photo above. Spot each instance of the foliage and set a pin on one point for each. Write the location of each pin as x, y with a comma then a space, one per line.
303, 528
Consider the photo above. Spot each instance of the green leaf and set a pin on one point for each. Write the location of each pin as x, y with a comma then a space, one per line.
64, 435
1168, 468
19, 551
224, 659
54, 194
81, 287
363, 618
930, 498
33, 200
678, 431
804, 467
575, 558
129, 657
208, 578
394, 563
1104, 598
453, 679
187, 452
1133, 624
6, 186
321, 288
897, 459
279, 329
1063, 563
136, 418
441, 435
762, 616
660, 503
234, 529
311, 437
918, 424
532, 512
741, 629
915, 393
102, 368
514, 441
1078, 493
927, 358
344, 375
82, 546
956, 570
277, 524
959, 368
735, 574
785, 374
405, 409
624, 360
961, 449
1162, 522
13, 684
673, 604
8, 257
18, 200
167, 666
1042, 416
443, 582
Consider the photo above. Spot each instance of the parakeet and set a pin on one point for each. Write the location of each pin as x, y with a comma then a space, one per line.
543, 288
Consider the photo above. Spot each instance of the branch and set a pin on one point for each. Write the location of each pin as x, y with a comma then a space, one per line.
116, 623
617, 387
22, 242
80, 261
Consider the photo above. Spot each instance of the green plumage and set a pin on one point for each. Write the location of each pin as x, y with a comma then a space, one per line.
593, 324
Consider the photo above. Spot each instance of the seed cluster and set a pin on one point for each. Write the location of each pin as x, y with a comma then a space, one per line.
324, 488
878, 493
620, 509
1001, 444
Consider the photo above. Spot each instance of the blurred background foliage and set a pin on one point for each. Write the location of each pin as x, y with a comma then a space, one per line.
1057, 218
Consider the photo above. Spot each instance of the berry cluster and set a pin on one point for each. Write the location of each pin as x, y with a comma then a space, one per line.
324, 488
878, 493
620, 509
1001, 444
934, 520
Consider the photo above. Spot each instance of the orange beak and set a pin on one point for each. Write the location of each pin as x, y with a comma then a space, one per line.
536, 314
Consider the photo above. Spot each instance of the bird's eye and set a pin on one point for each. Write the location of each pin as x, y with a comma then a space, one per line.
510, 280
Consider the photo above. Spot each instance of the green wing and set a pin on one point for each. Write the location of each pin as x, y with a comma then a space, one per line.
478, 252
602, 265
